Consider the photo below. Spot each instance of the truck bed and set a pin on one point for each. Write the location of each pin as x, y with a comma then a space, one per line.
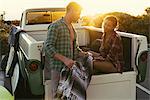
31, 44
31, 41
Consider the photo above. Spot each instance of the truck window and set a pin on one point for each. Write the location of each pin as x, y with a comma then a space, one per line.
43, 17
57, 15
127, 49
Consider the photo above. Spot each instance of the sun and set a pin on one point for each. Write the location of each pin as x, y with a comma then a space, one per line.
92, 7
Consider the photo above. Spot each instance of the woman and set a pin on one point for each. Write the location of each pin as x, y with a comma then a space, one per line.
110, 56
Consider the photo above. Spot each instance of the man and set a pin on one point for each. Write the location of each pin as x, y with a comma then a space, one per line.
61, 48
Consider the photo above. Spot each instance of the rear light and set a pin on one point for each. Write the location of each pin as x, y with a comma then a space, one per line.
33, 65
144, 56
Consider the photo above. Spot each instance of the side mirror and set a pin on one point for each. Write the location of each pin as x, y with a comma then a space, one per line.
142, 65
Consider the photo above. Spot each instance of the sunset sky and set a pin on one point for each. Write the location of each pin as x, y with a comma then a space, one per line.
14, 8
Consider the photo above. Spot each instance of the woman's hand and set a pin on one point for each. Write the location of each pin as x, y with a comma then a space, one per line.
99, 58
94, 54
83, 54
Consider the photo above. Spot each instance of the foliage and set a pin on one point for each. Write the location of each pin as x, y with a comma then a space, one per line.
127, 23
3, 43
3, 39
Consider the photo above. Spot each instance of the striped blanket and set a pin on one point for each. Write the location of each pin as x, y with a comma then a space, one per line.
74, 82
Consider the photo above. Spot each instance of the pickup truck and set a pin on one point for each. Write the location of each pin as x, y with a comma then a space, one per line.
113, 86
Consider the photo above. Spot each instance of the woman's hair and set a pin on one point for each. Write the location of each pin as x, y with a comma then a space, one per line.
112, 19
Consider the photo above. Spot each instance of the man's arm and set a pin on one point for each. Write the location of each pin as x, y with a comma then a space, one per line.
50, 47
51, 40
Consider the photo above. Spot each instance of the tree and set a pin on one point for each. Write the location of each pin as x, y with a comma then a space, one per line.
2, 16
127, 23
147, 10
148, 14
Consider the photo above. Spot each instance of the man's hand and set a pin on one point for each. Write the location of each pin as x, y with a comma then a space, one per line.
68, 62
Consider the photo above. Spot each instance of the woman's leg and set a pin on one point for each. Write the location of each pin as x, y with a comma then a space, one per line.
104, 66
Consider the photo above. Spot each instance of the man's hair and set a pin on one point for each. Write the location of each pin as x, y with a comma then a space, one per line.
73, 5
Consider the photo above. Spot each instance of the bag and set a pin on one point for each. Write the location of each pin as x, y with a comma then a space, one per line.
73, 83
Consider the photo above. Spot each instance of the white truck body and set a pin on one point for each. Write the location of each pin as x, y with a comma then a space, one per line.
113, 86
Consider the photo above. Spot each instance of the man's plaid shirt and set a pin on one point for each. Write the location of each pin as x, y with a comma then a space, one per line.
58, 41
